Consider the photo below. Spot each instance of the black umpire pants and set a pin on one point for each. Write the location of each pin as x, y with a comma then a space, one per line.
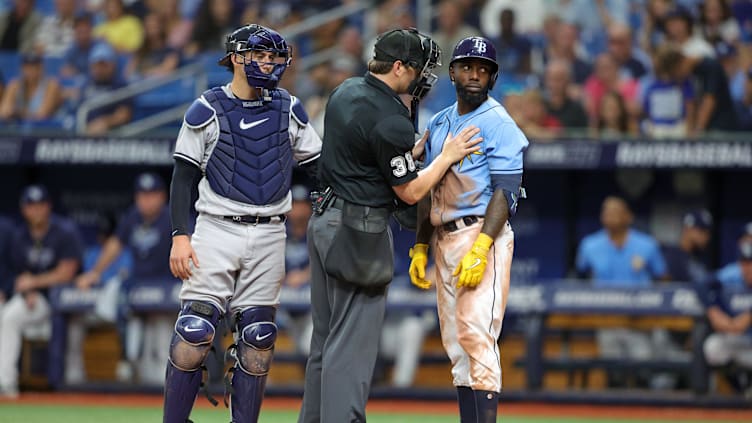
347, 322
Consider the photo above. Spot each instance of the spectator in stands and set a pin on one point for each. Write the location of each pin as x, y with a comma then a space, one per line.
613, 120
297, 269
144, 229
451, 28
33, 97
592, 18
121, 30
178, 27
212, 24
728, 56
715, 108
606, 77
56, 34
743, 106
731, 322
534, 120
19, 26
558, 99
513, 50
618, 255
717, 23
652, 31
565, 45
686, 261
678, 25
104, 77
46, 252
631, 60
154, 58
731, 274
107, 303
668, 100
76, 59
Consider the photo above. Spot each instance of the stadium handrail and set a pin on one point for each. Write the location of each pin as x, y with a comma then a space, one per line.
194, 70
315, 21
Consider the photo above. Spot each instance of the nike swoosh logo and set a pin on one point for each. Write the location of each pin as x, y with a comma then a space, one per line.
476, 264
245, 126
261, 338
190, 329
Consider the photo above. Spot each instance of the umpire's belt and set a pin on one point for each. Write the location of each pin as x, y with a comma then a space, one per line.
256, 220
355, 211
460, 223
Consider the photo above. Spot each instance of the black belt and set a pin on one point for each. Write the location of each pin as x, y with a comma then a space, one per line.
256, 220
467, 220
338, 203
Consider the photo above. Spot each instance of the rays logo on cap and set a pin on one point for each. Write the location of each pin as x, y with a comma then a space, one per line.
147, 182
480, 45
35, 194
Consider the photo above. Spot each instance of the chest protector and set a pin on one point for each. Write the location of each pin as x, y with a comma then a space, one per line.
252, 161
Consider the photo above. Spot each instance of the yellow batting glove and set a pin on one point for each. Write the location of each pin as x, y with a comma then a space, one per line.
419, 256
473, 265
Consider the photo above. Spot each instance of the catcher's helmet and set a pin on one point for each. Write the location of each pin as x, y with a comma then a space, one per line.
477, 48
258, 37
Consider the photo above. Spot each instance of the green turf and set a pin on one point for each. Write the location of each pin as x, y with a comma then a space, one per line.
18, 413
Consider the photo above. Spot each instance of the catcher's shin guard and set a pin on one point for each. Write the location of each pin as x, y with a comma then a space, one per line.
256, 333
191, 342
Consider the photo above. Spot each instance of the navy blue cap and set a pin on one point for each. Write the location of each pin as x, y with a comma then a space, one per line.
35, 194
745, 250
147, 182
679, 11
701, 219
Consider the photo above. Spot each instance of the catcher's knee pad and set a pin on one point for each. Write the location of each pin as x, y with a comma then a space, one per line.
194, 333
257, 333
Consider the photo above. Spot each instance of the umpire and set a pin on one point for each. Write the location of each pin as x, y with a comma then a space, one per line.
366, 164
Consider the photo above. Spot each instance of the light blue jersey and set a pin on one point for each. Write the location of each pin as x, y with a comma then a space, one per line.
466, 188
636, 263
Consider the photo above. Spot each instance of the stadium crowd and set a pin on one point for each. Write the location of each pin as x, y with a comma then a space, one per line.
636, 68
647, 68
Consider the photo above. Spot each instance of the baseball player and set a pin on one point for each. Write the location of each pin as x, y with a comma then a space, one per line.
473, 241
240, 140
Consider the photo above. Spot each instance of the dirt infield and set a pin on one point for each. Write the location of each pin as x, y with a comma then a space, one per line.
420, 407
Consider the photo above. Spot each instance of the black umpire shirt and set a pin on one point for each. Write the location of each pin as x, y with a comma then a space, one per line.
368, 141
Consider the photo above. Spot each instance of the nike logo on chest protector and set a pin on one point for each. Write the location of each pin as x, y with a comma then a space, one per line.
243, 126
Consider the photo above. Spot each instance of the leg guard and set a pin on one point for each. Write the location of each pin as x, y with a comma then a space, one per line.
256, 334
486, 403
466, 400
191, 342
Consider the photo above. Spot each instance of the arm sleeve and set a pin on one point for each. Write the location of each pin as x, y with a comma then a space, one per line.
184, 177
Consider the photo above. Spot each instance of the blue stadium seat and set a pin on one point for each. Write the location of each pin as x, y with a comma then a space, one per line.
52, 65
216, 74
10, 64
45, 7
165, 96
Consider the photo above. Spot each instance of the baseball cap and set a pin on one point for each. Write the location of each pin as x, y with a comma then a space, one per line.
700, 219
102, 52
399, 44
745, 250
148, 182
34, 194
